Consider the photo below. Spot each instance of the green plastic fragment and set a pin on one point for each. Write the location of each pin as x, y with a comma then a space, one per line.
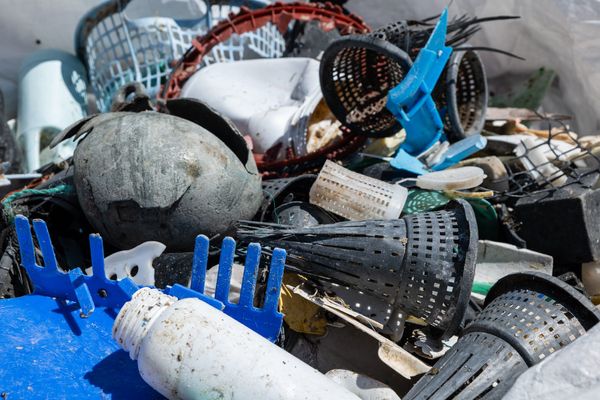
481, 287
420, 200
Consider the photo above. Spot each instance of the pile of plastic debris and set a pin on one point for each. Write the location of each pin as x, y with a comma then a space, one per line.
255, 200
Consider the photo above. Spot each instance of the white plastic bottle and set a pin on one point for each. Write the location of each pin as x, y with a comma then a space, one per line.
186, 349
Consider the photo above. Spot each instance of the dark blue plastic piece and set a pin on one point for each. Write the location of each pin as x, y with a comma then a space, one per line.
89, 292
266, 320
411, 101
48, 352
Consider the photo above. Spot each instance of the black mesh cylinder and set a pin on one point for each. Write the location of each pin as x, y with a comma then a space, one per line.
439, 265
279, 191
358, 71
462, 95
527, 317
422, 264
356, 74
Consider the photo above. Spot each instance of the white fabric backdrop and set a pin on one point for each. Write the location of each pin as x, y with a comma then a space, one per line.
561, 34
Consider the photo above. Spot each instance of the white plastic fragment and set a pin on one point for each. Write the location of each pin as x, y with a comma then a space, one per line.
452, 179
269, 99
134, 263
361, 385
355, 196
186, 349
496, 260
538, 164
52, 95
235, 286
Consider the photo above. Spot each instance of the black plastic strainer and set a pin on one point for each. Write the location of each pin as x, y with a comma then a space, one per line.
527, 317
462, 95
283, 190
357, 71
422, 264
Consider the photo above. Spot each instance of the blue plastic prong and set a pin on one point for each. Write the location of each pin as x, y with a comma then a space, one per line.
97, 256
25, 242
250, 273
225, 266
43, 238
82, 292
274, 281
199, 264
128, 286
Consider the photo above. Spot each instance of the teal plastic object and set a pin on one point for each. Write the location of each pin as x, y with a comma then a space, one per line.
420, 200
411, 102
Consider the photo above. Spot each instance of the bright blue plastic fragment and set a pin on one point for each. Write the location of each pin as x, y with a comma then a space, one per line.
266, 320
411, 101
89, 292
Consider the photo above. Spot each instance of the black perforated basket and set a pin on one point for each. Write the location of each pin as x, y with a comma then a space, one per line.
422, 264
357, 72
527, 317
279, 191
462, 95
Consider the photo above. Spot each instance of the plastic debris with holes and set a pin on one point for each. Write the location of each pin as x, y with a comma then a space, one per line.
527, 317
355, 196
120, 47
276, 18
405, 94
422, 264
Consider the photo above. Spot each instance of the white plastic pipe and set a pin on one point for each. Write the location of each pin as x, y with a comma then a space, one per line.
52, 95
187, 349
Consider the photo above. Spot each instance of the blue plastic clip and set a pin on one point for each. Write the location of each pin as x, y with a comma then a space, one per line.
411, 101
460, 150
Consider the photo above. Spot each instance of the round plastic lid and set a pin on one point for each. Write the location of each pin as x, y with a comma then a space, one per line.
452, 179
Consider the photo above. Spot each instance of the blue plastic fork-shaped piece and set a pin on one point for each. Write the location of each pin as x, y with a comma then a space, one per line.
97, 290
49, 280
265, 320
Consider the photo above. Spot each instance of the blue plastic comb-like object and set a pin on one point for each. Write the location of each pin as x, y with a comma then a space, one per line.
97, 290
265, 320
48, 280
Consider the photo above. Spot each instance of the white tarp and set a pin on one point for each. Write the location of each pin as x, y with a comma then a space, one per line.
559, 34
563, 35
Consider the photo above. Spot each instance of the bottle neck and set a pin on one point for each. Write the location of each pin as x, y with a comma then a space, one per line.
137, 317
